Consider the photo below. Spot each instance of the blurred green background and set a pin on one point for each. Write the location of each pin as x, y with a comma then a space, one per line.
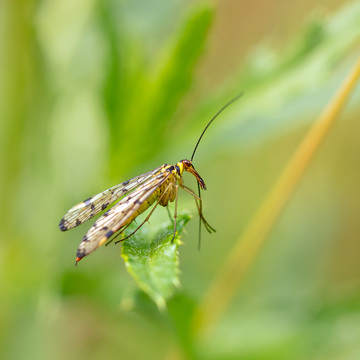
95, 92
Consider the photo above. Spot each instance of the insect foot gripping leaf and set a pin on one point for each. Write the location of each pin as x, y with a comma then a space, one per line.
152, 259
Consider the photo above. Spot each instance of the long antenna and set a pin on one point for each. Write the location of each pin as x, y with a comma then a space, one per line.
216, 115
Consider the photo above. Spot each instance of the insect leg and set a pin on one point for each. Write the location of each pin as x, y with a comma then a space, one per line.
199, 239
147, 218
175, 212
121, 231
208, 227
168, 211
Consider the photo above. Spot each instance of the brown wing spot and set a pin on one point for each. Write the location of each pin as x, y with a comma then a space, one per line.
105, 228
78, 222
126, 182
138, 202
85, 239
104, 206
80, 254
87, 201
109, 234
62, 225
92, 206
106, 214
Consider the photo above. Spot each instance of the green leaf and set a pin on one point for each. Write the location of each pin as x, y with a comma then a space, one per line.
141, 95
151, 259
177, 69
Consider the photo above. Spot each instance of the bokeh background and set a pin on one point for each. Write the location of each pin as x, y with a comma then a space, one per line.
95, 92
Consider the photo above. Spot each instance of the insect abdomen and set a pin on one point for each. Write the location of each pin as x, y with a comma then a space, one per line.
143, 207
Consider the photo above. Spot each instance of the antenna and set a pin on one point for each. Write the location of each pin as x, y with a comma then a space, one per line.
216, 115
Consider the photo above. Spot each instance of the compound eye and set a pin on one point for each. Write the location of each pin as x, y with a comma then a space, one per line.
186, 163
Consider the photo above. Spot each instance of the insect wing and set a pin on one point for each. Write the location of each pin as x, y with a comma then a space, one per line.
97, 203
119, 215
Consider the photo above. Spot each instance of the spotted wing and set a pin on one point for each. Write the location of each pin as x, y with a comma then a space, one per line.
97, 203
120, 215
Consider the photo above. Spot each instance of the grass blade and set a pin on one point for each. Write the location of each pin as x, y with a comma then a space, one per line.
243, 254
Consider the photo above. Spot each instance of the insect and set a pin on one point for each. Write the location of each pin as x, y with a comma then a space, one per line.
159, 186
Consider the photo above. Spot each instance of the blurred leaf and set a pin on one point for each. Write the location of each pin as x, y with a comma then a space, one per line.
181, 309
152, 259
282, 87
176, 76
138, 97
